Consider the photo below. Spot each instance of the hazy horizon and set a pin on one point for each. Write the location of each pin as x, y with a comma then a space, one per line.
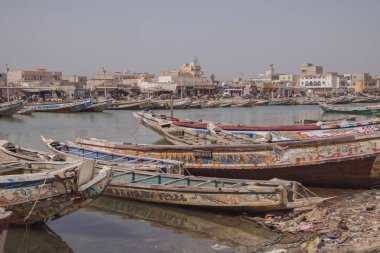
229, 37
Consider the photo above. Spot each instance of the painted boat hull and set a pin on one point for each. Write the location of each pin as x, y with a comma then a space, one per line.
98, 107
350, 110
277, 133
210, 193
336, 162
128, 106
35, 198
7, 110
63, 108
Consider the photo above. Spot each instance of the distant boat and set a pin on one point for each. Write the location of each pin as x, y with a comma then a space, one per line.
8, 109
27, 110
261, 102
128, 105
350, 110
98, 106
36, 192
64, 107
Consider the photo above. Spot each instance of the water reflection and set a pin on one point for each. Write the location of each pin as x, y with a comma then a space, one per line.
35, 239
228, 230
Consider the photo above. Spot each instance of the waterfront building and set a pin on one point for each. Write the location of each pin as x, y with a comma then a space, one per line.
36, 76
276, 85
189, 79
320, 84
363, 82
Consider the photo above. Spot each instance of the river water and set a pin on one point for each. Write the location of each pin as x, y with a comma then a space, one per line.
115, 225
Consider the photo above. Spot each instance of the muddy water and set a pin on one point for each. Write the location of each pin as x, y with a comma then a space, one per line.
114, 225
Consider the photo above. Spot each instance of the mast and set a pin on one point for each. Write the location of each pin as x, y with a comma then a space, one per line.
6, 81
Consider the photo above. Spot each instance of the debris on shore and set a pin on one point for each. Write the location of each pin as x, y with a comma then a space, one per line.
351, 224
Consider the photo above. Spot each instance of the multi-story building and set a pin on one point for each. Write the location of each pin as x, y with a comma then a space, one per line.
321, 83
40, 76
363, 82
308, 69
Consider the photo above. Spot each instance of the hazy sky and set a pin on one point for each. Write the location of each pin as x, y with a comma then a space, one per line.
78, 36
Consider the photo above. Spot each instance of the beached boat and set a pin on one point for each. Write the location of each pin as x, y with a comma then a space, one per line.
261, 102
211, 193
213, 104
128, 105
265, 133
36, 192
8, 109
327, 121
340, 100
181, 103
64, 107
281, 102
26, 110
183, 136
74, 151
246, 103
349, 161
350, 110
226, 103
197, 104
98, 106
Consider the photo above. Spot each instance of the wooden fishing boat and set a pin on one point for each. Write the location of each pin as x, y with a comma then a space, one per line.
211, 193
64, 107
226, 103
261, 133
261, 102
70, 149
348, 161
340, 100
328, 121
8, 109
128, 105
36, 192
280, 102
247, 103
213, 104
350, 110
181, 103
98, 106
26, 110
196, 105
183, 136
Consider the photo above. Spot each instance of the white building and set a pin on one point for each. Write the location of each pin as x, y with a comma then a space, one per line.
328, 80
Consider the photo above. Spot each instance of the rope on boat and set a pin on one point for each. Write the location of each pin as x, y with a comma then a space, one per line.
38, 197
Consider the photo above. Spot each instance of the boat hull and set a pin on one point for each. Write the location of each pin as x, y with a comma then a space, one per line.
348, 162
98, 107
63, 108
7, 110
351, 173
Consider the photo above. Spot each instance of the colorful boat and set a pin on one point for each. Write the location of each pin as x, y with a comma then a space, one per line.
128, 105
64, 107
69, 149
36, 192
246, 103
211, 193
349, 161
266, 133
8, 109
98, 106
351, 110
